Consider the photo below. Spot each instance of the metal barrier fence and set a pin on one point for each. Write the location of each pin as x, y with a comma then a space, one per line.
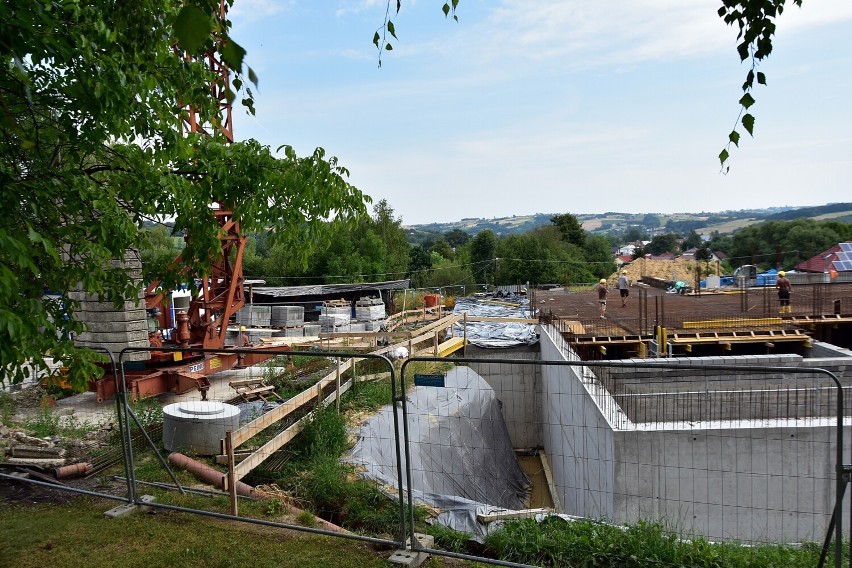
748, 453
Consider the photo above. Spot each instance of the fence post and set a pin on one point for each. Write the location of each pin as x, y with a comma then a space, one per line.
231, 476
337, 387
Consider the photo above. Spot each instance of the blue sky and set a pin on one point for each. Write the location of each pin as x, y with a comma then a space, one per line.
536, 106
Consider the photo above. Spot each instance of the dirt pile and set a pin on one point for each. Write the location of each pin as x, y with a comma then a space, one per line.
678, 269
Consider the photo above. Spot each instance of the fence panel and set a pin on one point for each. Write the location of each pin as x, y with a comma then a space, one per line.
703, 448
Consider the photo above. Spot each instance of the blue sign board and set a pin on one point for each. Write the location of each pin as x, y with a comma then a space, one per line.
428, 380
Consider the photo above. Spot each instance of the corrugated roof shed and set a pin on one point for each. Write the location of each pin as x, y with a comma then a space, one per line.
320, 290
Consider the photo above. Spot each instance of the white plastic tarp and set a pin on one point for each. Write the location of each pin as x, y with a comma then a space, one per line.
462, 460
496, 334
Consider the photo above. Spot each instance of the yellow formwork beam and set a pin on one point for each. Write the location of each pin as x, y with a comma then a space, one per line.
711, 324
451, 346
728, 339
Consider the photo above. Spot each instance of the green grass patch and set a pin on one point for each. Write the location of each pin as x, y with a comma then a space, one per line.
78, 534
555, 542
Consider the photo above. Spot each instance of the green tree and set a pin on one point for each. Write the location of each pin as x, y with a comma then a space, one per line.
692, 240
483, 251
157, 250
91, 147
598, 254
456, 238
663, 243
570, 227
442, 247
420, 263
396, 247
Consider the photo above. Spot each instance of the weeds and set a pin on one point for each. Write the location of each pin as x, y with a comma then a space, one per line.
555, 542
7, 408
47, 423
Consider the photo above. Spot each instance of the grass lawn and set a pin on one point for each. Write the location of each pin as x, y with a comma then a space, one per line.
76, 533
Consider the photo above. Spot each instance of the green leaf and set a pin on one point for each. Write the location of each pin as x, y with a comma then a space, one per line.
723, 157
376, 39
747, 100
233, 54
389, 47
252, 76
391, 29
734, 137
446, 9
748, 123
761, 78
192, 28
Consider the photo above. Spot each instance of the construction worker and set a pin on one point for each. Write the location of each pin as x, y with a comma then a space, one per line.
624, 287
783, 286
602, 291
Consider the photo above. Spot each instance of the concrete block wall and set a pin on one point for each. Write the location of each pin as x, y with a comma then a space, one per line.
114, 328
756, 481
578, 439
750, 484
696, 393
518, 387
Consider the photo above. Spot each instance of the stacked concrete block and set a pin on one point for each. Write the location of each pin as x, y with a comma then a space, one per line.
253, 315
312, 330
287, 316
115, 328
255, 335
334, 322
335, 318
374, 325
369, 309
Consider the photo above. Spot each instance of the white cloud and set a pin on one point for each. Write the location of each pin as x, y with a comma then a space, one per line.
248, 11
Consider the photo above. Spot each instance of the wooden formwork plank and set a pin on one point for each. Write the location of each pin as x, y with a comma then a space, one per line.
265, 451
281, 411
731, 322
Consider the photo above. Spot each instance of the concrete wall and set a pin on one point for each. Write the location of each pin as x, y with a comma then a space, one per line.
695, 392
518, 387
753, 481
578, 440
750, 484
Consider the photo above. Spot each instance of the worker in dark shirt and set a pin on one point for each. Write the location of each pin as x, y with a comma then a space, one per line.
783, 286
602, 291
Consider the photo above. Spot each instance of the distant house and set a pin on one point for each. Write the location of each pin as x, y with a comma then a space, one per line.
836, 258
623, 260
626, 250
714, 256
664, 256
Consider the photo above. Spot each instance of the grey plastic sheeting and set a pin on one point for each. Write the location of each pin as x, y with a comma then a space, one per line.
462, 461
492, 334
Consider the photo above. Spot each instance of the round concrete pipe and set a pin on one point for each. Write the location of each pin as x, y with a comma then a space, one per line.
206, 473
73, 470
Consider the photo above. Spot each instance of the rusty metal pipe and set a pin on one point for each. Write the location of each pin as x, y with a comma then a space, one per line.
206, 473
216, 478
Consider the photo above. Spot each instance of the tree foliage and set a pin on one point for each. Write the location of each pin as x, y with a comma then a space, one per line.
756, 22
783, 244
92, 147
570, 227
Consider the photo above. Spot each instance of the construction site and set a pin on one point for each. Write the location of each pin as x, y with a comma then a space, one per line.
710, 412
707, 411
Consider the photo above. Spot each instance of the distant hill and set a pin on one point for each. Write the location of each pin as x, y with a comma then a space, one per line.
725, 222
824, 212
